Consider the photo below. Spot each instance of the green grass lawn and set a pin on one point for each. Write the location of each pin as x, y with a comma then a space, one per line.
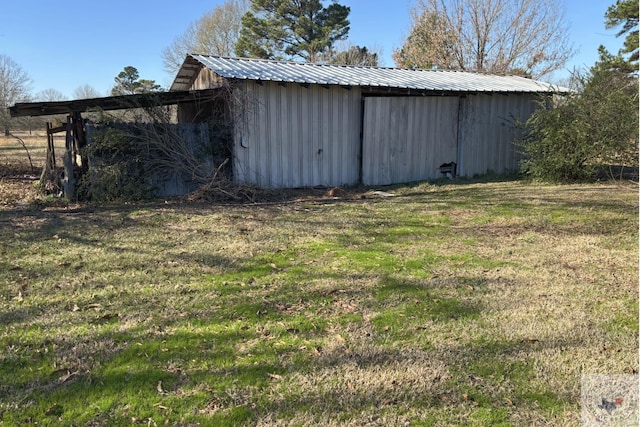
474, 304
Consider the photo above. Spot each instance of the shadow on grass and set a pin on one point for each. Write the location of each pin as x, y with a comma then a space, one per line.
236, 363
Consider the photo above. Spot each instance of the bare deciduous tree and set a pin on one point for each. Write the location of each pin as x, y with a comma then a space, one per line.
526, 37
215, 33
86, 92
50, 95
15, 84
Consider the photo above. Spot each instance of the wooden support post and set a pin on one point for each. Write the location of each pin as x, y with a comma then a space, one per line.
49, 176
51, 148
80, 139
68, 182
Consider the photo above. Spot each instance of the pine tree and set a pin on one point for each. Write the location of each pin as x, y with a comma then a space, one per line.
128, 82
291, 29
625, 13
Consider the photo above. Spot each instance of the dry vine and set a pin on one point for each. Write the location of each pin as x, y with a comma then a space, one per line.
25, 149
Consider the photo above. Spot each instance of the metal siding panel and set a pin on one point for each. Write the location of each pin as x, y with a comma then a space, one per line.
452, 129
479, 134
257, 133
283, 129
289, 156
417, 150
336, 136
507, 161
239, 131
395, 144
316, 139
353, 123
307, 143
272, 137
443, 135
256, 107
464, 151
304, 130
495, 142
489, 141
383, 148
438, 116
325, 137
403, 146
487, 134
343, 116
367, 128
255, 144
244, 120
407, 138
372, 126
428, 117
469, 138
282, 140
301, 137
504, 104
293, 115
500, 162
344, 137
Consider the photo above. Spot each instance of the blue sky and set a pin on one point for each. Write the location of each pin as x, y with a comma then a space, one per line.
64, 45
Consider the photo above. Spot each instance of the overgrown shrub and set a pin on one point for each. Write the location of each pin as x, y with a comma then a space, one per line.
133, 161
594, 126
117, 166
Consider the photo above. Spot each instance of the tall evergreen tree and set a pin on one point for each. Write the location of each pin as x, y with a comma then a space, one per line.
291, 29
625, 13
128, 82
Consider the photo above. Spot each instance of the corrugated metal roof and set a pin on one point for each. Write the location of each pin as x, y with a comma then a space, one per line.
297, 72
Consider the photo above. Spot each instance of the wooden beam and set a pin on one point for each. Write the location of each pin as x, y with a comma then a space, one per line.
109, 103
52, 130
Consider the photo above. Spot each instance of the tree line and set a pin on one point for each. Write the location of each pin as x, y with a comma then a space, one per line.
517, 37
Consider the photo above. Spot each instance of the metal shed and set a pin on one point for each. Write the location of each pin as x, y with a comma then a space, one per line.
301, 125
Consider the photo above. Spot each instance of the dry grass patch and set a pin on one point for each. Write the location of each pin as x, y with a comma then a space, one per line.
21, 165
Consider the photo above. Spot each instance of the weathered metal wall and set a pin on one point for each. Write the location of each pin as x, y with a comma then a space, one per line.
407, 138
289, 135
486, 134
207, 79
